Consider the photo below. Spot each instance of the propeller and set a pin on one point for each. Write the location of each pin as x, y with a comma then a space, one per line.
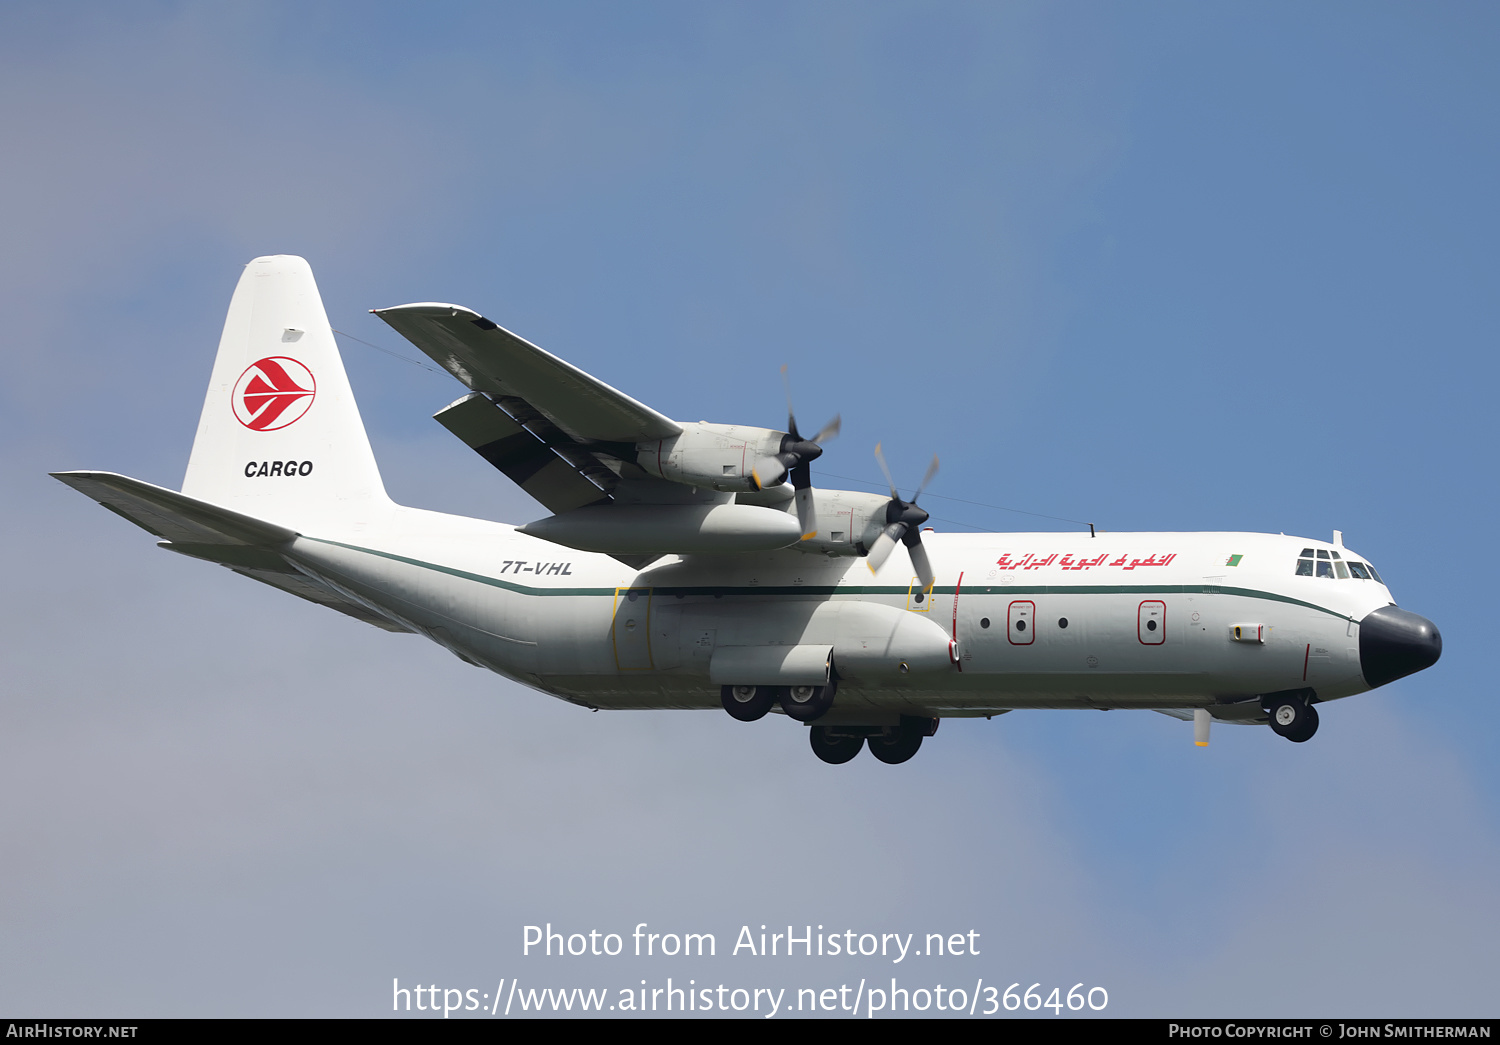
794, 457
903, 521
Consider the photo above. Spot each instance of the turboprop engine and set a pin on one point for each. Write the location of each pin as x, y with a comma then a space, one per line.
718, 457
738, 459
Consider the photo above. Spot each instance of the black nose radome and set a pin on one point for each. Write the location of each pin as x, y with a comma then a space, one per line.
1394, 643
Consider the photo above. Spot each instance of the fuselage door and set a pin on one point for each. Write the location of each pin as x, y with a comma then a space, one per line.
631, 631
1151, 622
1022, 623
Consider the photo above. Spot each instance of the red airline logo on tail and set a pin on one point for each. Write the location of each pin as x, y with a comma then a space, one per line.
272, 393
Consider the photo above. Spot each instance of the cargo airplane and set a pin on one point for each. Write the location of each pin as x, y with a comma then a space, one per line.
694, 565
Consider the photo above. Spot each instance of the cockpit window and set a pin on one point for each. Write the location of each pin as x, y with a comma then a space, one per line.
1322, 563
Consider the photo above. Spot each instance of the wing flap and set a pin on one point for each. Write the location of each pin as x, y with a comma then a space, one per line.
489, 358
528, 461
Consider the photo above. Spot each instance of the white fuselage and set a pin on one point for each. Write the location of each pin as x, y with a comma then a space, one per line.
651, 585
1150, 617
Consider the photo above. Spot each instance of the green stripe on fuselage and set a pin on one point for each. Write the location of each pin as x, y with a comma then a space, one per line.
824, 591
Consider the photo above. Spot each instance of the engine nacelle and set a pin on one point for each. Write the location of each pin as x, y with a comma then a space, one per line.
848, 520
687, 529
719, 457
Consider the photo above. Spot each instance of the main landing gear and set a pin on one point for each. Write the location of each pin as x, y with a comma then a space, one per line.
747, 703
892, 745
834, 744
803, 703
1293, 715
834, 748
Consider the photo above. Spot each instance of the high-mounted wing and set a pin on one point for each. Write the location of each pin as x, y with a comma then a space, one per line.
488, 358
619, 477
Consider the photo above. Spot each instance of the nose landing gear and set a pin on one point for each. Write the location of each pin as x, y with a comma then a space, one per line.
1293, 715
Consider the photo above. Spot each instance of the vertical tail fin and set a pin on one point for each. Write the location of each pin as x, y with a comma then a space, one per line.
280, 437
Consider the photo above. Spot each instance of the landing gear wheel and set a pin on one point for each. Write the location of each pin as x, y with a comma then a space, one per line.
1310, 727
747, 703
831, 748
1295, 720
896, 747
806, 703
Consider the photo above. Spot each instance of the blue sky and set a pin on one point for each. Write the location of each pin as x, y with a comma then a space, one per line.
1160, 267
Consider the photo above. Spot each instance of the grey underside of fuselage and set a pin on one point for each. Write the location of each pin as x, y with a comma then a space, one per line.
955, 697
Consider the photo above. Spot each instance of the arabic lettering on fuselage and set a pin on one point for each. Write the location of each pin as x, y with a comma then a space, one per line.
1068, 562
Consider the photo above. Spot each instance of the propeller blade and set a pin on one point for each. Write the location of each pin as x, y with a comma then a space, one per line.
932, 470
828, 431
880, 457
921, 565
768, 472
807, 514
791, 416
881, 549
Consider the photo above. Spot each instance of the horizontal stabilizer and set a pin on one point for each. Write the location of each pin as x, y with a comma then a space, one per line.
173, 516
488, 358
201, 530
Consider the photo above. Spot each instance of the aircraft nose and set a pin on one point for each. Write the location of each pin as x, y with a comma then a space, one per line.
1394, 643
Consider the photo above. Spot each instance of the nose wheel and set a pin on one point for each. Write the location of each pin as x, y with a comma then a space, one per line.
1295, 719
